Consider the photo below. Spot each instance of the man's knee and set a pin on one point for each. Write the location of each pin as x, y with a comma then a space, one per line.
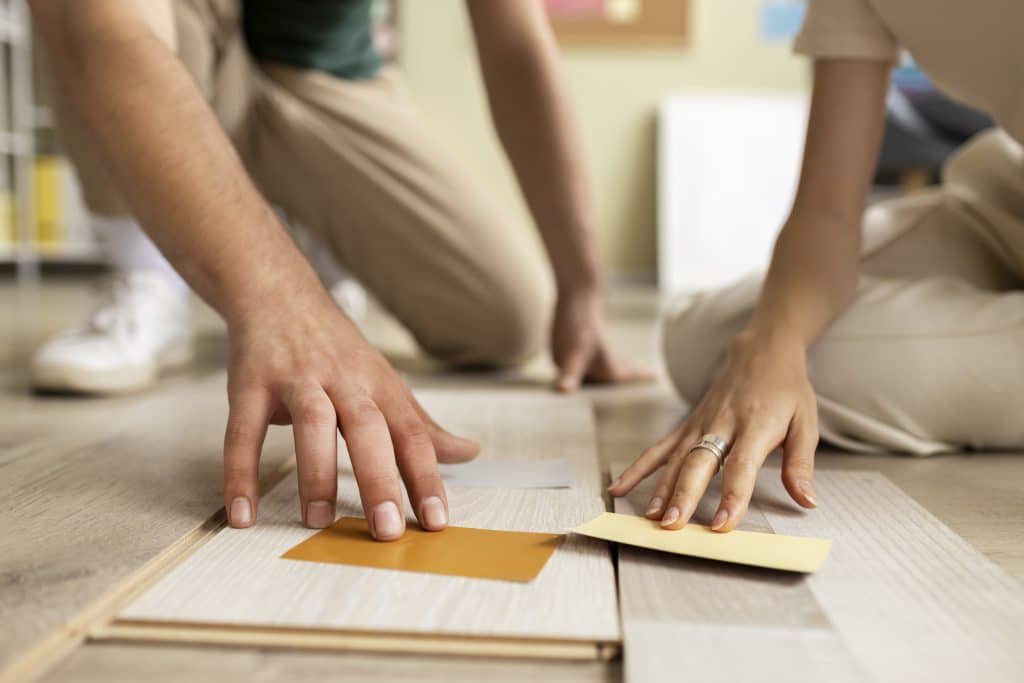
504, 326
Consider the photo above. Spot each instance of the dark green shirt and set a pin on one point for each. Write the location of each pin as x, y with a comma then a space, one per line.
335, 36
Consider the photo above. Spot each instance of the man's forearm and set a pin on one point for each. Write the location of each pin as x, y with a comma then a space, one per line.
167, 154
814, 270
533, 119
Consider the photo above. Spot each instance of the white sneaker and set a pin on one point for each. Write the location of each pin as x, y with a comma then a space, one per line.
142, 327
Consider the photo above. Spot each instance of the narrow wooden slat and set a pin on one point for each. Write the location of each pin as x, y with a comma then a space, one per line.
355, 641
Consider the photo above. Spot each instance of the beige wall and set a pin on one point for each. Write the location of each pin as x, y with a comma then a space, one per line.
616, 94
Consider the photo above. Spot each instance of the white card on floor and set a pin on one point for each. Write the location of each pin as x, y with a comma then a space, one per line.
514, 474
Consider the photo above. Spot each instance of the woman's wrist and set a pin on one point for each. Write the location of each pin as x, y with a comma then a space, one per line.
771, 340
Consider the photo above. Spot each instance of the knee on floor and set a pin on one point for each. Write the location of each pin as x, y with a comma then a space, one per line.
501, 331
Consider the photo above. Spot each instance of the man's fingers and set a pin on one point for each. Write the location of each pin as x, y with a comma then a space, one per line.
243, 443
798, 461
650, 460
448, 447
570, 374
607, 369
373, 462
315, 426
739, 477
414, 450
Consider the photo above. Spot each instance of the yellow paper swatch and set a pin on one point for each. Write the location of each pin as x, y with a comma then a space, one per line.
774, 551
456, 551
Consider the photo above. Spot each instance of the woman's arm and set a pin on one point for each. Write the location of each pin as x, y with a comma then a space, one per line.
813, 275
764, 399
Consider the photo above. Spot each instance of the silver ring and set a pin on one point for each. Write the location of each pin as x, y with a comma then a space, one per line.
714, 444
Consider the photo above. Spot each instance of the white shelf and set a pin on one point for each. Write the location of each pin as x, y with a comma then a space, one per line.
72, 254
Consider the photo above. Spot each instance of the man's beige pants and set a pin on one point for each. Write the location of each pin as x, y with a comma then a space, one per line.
354, 162
930, 357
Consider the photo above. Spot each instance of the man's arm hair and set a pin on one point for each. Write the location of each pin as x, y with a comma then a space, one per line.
165, 150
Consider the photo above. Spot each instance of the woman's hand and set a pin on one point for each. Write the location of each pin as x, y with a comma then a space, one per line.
762, 400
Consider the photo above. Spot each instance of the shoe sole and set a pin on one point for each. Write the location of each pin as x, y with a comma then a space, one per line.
76, 380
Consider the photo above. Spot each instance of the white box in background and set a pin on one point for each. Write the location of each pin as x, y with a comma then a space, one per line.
728, 166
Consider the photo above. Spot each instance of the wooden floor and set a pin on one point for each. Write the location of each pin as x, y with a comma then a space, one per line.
91, 490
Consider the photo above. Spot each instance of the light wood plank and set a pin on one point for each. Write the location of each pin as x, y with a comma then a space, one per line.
239, 579
910, 598
901, 597
977, 495
92, 490
721, 622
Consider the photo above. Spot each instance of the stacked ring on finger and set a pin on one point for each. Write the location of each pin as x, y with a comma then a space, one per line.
713, 444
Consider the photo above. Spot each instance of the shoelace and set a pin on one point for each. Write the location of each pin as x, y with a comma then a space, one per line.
115, 313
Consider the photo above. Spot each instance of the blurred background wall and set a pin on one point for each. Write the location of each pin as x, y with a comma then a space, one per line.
616, 93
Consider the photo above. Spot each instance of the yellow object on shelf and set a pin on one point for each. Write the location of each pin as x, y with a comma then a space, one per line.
49, 207
6, 219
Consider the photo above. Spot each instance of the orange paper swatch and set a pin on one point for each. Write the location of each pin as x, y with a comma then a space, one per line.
456, 551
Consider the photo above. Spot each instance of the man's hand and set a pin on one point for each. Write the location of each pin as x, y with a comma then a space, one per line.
308, 365
579, 347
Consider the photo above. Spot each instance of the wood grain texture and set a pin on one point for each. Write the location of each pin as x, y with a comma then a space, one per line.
977, 495
92, 490
108, 662
901, 597
238, 578
333, 640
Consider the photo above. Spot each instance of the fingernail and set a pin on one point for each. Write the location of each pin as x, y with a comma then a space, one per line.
654, 505
387, 525
615, 484
319, 514
240, 514
720, 519
433, 514
671, 516
807, 489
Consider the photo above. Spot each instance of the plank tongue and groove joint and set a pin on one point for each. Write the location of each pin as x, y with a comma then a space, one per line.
236, 589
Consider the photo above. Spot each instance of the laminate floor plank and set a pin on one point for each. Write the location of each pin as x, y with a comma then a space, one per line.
92, 490
910, 598
901, 597
239, 579
978, 495
687, 618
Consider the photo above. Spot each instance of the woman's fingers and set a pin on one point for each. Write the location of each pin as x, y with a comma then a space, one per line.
739, 475
650, 460
666, 482
699, 466
798, 460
